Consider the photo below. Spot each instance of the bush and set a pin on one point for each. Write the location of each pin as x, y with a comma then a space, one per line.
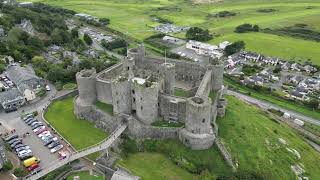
87, 39
19, 172
58, 85
234, 48
198, 34
115, 44
243, 28
35, 113
128, 146
7, 166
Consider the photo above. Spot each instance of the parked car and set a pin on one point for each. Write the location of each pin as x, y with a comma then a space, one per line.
22, 148
33, 160
36, 126
28, 120
13, 140
32, 167
7, 139
24, 153
46, 137
57, 148
16, 143
48, 88
19, 146
41, 131
37, 170
53, 144
50, 141
38, 129
27, 156
44, 133
32, 121
27, 116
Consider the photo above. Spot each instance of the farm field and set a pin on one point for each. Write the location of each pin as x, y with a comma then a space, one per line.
133, 18
254, 141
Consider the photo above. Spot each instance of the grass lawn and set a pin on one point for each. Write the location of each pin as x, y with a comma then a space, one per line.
80, 133
108, 108
69, 86
154, 166
133, 18
275, 100
181, 93
253, 140
163, 123
85, 176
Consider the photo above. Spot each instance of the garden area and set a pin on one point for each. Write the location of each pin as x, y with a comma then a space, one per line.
85, 175
80, 133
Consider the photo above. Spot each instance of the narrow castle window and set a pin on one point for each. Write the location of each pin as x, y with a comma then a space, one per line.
134, 99
141, 108
203, 120
128, 68
133, 92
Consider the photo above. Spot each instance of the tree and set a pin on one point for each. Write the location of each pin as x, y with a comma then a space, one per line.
313, 103
75, 33
246, 28
87, 39
7, 166
198, 34
234, 48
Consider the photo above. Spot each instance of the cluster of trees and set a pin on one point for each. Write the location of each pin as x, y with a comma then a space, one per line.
87, 39
223, 14
40, 7
249, 70
234, 48
115, 44
247, 28
198, 34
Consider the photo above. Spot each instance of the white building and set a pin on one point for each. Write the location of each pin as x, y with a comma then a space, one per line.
204, 49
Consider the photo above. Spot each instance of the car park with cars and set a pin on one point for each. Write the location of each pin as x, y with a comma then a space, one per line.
53, 144
56, 148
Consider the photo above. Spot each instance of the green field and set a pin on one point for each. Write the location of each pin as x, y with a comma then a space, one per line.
252, 139
80, 133
85, 175
154, 166
133, 19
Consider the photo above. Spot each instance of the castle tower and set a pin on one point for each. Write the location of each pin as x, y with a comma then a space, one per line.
168, 71
137, 54
198, 133
145, 99
121, 95
217, 73
198, 115
129, 66
86, 80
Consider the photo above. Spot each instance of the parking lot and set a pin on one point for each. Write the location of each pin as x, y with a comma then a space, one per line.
190, 54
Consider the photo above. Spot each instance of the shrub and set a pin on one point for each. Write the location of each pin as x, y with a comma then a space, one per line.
243, 28
234, 48
198, 34
87, 39
19, 172
7, 166
128, 146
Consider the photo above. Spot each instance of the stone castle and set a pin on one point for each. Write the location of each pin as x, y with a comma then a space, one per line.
141, 90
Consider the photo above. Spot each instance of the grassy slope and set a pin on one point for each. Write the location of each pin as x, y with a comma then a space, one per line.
278, 101
245, 131
133, 19
79, 133
108, 108
85, 175
154, 166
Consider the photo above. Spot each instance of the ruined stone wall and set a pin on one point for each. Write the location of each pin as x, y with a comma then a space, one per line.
121, 94
93, 114
141, 131
205, 85
196, 141
169, 72
217, 77
166, 102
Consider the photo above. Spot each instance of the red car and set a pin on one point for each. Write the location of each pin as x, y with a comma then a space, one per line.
33, 166
41, 131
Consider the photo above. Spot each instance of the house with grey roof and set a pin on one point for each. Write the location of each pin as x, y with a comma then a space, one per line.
11, 100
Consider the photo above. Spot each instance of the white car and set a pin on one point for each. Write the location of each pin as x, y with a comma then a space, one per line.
57, 148
39, 128
48, 88
44, 133
24, 152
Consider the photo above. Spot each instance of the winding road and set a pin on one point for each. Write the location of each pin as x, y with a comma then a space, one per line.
266, 105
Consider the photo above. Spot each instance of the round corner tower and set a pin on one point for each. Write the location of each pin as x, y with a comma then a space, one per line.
168, 71
86, 81
198, 115
137, 54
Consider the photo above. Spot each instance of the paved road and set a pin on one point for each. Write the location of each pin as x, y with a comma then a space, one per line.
266, 105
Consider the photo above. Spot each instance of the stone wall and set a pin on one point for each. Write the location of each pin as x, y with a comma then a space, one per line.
121, 96
140, 131
93, 114
205, 85
196, 141
167, 102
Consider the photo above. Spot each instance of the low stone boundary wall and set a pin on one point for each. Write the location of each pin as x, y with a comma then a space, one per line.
141, 131
226, 155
